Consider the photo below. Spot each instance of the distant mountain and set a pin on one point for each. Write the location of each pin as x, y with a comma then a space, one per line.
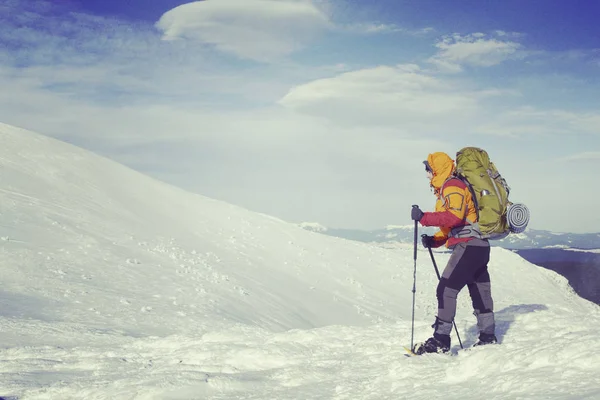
530, 239
533, 238
580, 267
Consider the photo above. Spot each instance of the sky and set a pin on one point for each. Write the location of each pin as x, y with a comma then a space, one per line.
140, 290
318, 111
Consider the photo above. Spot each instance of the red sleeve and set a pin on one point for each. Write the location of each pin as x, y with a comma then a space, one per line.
443, 219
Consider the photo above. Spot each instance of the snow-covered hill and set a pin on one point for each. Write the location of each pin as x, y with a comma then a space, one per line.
530, 239
116, 286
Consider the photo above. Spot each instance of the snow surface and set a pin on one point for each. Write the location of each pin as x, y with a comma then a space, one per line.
117, 286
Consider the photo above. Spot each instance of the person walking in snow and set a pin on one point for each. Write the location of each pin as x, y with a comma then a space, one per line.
456, 217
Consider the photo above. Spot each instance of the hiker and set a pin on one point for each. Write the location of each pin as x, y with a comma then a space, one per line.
456, 216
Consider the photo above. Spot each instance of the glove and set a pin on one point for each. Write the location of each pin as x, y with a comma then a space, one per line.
416, 214
428, 241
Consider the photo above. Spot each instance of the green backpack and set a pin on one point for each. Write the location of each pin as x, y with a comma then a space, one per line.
488, 189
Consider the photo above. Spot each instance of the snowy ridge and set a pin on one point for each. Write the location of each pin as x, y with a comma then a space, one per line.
118, 286
400, 227
530, 239
390, 234
313, 226
597, 251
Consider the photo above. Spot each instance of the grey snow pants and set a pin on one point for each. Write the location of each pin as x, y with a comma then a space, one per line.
468, 266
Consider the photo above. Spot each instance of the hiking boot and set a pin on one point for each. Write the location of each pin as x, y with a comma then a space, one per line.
486, 338
437, 344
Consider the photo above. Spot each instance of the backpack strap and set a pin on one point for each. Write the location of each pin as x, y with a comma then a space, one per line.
469, 229
473, 195
470, 190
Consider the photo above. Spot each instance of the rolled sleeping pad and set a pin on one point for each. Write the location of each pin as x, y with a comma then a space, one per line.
517, 216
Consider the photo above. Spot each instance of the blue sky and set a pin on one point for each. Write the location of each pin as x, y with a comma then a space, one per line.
319, 110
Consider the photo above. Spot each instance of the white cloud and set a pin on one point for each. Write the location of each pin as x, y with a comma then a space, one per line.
543, 124
412, 101
584, 156
381, 28
401, 96
556, 121
474, 50
260, 30
374, 28
424, 31
501, 33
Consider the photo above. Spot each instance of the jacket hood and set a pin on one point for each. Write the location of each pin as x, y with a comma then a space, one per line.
442, 166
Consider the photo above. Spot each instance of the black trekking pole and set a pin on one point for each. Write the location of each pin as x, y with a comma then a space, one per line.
439, 278
414, 290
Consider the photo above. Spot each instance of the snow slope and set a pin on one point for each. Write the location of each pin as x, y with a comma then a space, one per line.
117, 286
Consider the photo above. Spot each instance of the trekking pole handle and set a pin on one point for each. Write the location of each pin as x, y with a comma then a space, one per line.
416, 233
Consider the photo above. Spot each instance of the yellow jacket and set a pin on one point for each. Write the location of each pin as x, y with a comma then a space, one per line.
454, 207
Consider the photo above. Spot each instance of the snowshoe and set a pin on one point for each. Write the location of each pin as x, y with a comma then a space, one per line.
486, 338
437, 344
